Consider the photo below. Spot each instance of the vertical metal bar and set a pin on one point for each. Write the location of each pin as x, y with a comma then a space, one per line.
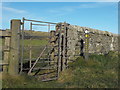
30, 56
64, 40
49, 33
59, 52
22, 52
36, 61
66, 56
48, 43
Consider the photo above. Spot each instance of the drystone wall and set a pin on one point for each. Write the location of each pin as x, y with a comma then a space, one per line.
100, 42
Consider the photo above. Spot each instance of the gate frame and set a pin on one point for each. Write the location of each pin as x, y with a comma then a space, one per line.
23, 22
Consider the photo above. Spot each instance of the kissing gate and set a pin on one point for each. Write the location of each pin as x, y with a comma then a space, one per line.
41, 54
45, 54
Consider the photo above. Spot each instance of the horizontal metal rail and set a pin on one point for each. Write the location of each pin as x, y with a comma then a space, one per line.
51, 72
47, 61
36, 58
39, 21
42, 25
34, 36
43, 68
36, 46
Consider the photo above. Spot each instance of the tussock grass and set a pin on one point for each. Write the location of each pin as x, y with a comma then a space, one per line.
100, 71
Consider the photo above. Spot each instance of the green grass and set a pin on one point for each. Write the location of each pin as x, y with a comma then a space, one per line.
35, 42
100, 71
35, 50
36, 33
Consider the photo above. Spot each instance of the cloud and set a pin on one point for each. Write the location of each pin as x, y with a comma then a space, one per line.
63, 9
93, 5
13, 10
68, 9
96, 5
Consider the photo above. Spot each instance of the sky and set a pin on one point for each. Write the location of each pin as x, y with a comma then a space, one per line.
97, 15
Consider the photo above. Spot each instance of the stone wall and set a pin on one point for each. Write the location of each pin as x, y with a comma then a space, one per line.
100, 42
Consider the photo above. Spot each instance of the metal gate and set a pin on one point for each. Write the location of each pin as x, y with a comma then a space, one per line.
36, 51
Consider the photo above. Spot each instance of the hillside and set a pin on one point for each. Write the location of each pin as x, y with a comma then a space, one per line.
100, 71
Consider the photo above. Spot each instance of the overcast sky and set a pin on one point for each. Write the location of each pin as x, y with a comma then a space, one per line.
98, 15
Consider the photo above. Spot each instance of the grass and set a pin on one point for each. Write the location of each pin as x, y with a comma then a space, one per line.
40, 43
36, 33
35, 50
100, 71
35, 42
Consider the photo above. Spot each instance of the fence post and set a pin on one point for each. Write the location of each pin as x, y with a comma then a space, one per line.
14, 47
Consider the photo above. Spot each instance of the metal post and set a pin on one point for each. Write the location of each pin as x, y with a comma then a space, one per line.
22, 47
64, 47
59, 52
48, 28
30, 56
66, 56
48, 42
